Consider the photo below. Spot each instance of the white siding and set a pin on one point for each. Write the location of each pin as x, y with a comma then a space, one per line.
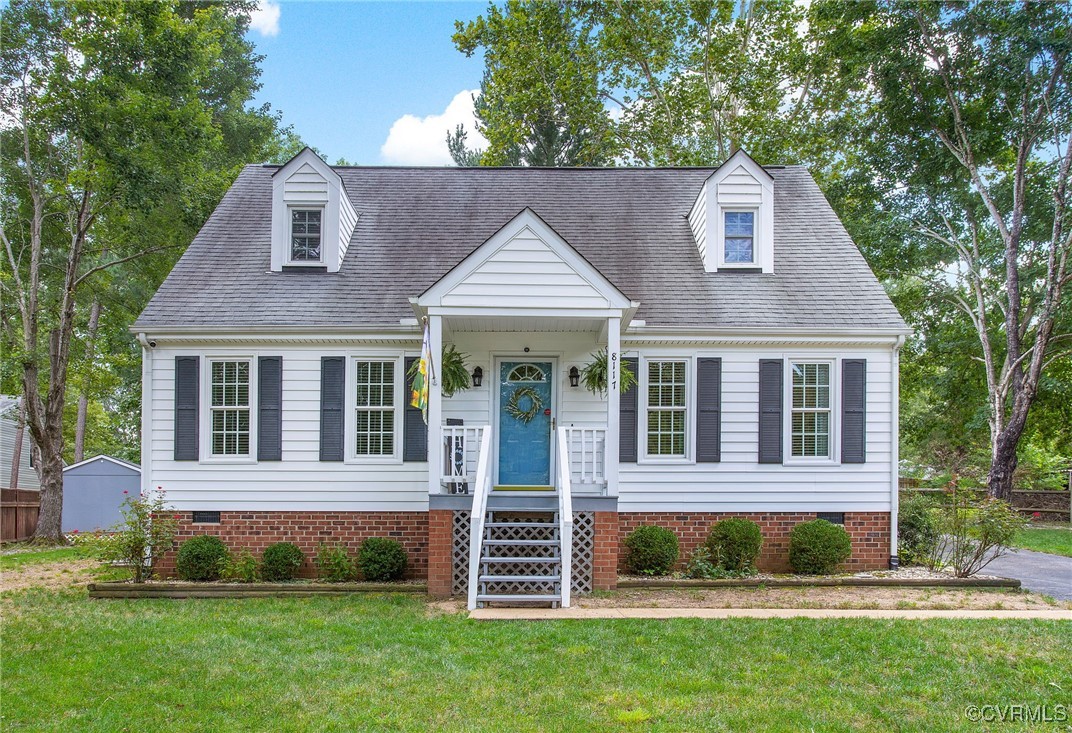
739, 482
740, 188
347, 222
305, 186
698, 222
525, 273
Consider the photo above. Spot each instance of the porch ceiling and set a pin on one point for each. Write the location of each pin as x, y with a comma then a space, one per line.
522, 324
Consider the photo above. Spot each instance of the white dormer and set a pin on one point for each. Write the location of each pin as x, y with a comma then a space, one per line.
733, 217
312, 217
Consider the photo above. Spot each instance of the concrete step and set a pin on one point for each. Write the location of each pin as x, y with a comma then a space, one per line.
486, 598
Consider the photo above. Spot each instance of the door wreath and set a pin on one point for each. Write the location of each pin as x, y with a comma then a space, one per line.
513, 407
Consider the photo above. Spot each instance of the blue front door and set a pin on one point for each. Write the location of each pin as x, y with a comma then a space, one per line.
525, 423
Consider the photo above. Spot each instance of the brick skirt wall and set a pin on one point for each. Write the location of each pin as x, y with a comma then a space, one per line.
256, 530
869, 532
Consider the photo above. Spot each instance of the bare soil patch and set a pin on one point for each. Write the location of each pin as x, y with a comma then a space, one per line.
55, 575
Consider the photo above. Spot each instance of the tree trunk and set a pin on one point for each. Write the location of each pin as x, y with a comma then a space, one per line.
50, 517
83, 399
1004, 458
16, 450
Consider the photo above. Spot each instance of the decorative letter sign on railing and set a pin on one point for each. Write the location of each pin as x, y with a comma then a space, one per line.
459, 458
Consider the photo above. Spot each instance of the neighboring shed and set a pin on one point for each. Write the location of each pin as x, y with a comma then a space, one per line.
94, 489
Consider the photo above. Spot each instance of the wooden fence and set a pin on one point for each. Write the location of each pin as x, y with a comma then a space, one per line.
1052, 505
18, 514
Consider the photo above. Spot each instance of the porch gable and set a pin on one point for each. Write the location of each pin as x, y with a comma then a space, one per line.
525, 265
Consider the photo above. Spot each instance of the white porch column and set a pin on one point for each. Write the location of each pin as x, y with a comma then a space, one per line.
435, 406
614, 399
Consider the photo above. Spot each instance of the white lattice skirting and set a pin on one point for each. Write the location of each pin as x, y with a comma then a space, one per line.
583, 552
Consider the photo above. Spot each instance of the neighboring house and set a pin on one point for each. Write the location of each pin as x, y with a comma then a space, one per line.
94, 490
9, 426
276, 401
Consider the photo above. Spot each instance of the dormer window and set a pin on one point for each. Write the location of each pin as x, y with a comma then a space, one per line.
732, 219
740, 237
306, 235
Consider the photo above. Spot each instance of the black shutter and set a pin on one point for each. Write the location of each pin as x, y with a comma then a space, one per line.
708, 410
187, 403
414, 431
853, 411
771, 373
627, 416
332, 396
270, 408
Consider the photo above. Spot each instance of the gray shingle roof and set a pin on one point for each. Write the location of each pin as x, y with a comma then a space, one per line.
417, 223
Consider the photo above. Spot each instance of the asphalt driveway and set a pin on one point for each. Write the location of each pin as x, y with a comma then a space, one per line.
1038, 571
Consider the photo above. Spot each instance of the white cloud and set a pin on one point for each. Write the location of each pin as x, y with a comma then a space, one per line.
265, 19
416, 140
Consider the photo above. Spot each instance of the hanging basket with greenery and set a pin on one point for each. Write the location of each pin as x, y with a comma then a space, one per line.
594, 374
453, 376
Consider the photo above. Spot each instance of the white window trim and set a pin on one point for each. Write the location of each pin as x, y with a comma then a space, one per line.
643, 457
721, 254
834, 459
205, 419
291, 208
350, 424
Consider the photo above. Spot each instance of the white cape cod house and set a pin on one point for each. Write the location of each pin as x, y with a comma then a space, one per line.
276, 397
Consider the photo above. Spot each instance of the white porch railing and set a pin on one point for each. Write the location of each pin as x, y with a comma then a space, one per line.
460, 457
585, 449
481, 489
565, 520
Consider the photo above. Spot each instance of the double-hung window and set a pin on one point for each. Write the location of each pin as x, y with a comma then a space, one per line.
305, 235
229, 407
811, 419
375, 406
667, 408
740, 237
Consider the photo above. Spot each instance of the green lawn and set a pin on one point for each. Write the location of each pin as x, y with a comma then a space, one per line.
1054, 540
20, 556
386, 663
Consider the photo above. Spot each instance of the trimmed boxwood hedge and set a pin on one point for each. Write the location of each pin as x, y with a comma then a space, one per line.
281, 561
818, 547
734, 545
381, 558
201, 558
651, 550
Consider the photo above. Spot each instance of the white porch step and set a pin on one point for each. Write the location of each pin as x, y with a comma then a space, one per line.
510, 525
486, 598
520, 578
487, 558
523, 543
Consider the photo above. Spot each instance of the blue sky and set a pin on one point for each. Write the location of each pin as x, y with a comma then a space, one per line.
374, 83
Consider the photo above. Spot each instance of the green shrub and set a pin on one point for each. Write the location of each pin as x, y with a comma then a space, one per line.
381, 559
240, 568
917, 529
145, 534
734, 545
201, 557
701, 567
818, 547
973, 531
333, 564
651, 550
281, 561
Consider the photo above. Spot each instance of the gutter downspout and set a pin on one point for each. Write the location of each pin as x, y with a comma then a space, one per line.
146, 413
895, 443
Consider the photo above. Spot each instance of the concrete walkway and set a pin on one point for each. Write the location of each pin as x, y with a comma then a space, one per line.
557, 614
1037, 571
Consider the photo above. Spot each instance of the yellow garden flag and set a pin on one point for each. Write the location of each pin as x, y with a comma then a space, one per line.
419, 396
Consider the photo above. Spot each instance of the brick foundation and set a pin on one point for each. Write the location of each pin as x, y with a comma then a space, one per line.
440, 552
256, 530
869, 532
